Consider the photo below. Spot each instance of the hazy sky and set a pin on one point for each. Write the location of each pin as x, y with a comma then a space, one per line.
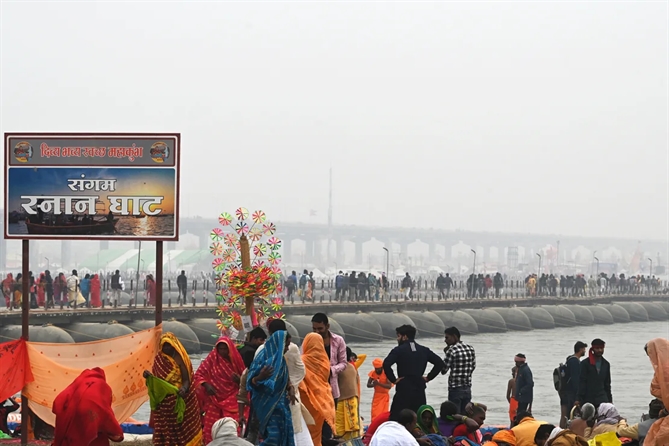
517, 117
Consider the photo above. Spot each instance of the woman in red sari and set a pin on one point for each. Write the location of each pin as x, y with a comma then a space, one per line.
95, 292
41, 290
84, 416
173, 365
217, 384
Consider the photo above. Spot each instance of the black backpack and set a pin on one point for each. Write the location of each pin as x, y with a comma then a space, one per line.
560, 378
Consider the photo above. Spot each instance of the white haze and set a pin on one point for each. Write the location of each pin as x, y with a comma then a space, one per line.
516, 117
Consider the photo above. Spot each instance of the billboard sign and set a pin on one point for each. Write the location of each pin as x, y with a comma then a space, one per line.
92, 186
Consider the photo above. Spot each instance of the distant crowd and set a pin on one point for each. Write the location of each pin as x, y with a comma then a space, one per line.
47, 290
579, 286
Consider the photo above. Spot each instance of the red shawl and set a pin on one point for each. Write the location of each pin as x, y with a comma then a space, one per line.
218, 372
83, 412
95, 292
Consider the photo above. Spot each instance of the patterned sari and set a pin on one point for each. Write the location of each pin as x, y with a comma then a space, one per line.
315, 389
167, 431
270, 397
218, 372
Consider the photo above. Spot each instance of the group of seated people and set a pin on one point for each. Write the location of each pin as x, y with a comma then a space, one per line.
425, 428
605, 418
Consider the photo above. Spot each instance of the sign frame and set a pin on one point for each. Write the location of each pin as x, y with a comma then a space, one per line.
106, 136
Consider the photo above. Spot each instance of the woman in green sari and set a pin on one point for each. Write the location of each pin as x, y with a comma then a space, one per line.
426, 421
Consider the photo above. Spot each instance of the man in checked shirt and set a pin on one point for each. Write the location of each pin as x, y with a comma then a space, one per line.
461, 361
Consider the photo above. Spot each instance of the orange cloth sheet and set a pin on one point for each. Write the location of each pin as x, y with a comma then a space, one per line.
123, 359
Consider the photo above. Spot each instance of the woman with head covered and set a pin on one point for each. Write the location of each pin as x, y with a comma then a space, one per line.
658, 352
268, 382
175, 412
315, 388
84, 416
216, 384
224, 433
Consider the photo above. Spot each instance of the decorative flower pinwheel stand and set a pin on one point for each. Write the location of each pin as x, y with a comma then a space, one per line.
246, 265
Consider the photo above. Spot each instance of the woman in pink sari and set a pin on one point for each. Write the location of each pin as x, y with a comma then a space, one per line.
150, 290
217, 384
658, 352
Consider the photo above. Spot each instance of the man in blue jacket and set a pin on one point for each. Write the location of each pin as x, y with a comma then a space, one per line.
339, 285
571, 381
524, 384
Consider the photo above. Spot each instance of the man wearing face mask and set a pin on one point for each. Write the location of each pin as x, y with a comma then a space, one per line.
411, 359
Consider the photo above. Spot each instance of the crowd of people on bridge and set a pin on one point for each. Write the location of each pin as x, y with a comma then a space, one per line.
480, 286
269, 391
90, 289
74, 291
579, 286
47, 291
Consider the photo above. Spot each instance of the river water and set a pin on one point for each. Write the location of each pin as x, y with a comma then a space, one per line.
631, 370
140, 227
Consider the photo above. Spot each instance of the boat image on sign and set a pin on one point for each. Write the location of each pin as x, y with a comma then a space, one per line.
94, 228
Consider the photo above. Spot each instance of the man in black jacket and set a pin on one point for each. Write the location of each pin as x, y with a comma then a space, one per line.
116, 288
49, 289
441, 285
411, 359
182, 285
595, 380
524, 393
572, 378
256, 338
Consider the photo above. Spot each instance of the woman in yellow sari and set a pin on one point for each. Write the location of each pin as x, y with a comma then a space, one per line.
18, 290
348, 413
175, 412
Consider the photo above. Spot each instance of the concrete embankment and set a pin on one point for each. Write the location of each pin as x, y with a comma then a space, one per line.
357, 322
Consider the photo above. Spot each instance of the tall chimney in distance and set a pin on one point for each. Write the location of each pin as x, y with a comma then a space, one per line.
329, 250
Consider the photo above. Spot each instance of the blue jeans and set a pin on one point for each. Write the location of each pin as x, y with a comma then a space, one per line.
460, 396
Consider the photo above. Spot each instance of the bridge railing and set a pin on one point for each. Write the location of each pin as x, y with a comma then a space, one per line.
203, 292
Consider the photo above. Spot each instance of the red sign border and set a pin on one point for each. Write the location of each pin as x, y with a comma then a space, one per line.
111, 135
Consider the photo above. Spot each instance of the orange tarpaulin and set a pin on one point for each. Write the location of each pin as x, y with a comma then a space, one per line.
14, 368
123, 359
